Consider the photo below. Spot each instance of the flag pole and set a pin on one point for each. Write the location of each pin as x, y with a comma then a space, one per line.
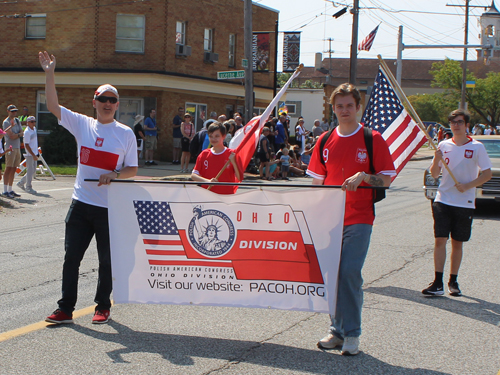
268, 111
409, 107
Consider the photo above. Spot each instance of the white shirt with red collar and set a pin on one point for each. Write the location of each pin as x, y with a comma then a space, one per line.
102, 148
465, 163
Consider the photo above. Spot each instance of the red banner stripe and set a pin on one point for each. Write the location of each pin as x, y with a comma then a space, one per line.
406, 143
399, 130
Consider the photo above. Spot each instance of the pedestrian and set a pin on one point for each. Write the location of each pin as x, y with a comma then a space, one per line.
453, 208
177, 136
285, 163
344, 161
139, 134
187, 130
12, 126
317, 130
264, 153
279, 133
108, 150
31, 155
151, 132
325, 125
213, 160
2, 151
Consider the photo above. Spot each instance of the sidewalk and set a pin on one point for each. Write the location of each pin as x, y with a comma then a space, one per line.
168, 171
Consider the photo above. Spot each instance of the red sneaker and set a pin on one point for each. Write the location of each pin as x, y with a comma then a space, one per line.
100, 317
59, 317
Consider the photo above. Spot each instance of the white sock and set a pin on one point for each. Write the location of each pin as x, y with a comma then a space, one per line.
10, 188
5, 187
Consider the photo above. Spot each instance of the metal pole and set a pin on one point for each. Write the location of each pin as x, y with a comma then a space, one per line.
248, 55
464, 64
399, 66
275, 84
354, 42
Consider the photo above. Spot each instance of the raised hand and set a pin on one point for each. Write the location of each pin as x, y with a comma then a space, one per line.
47, 62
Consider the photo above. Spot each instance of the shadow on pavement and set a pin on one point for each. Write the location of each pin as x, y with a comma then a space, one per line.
470, 307
182, 350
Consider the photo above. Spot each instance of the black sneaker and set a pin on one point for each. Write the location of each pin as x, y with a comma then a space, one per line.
454, 290
14, 194
147, 163
153, 163
433, 290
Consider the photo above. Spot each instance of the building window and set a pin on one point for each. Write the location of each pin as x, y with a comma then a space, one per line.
35, 26
130, 33
232, 49
180, 33
208, 40
46, 121
199, 113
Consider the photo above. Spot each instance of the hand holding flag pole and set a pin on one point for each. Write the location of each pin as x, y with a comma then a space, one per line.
410, 109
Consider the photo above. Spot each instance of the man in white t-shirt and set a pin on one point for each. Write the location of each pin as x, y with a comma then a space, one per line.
31, 155
453, 208
107, 150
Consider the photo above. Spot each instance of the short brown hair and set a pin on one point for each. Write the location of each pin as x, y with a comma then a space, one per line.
216, 125
459, 112
346, 89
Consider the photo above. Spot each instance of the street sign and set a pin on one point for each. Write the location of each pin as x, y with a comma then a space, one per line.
231, 74
244, 63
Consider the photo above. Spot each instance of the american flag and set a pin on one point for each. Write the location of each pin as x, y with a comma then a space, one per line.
385, 113
367, 43
160, 236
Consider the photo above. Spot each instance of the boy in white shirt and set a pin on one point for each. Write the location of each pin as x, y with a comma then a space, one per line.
453, 208
31, 155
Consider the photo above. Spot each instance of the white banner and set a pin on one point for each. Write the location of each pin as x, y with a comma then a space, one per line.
180, 244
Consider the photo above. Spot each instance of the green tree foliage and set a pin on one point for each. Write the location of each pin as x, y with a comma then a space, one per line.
433, 107
284, 77
483, 100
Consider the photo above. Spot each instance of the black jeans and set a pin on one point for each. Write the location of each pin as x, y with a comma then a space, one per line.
82, 223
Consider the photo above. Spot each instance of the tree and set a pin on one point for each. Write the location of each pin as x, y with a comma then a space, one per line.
284, 77
483, 100
433, 107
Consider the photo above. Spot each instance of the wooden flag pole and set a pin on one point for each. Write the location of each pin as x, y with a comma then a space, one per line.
409, 107
220, 172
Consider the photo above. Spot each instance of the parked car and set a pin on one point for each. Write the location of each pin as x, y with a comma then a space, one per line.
488, 191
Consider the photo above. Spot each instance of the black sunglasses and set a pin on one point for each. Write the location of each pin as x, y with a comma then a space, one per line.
104, 99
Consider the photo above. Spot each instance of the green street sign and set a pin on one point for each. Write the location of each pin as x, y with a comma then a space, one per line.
244, 63
231, 74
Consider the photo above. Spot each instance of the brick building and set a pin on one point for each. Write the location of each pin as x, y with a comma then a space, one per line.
159, 54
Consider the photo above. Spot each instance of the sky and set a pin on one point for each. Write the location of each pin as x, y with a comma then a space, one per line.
429, 22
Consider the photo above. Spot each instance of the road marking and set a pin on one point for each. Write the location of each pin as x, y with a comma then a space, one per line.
40, 325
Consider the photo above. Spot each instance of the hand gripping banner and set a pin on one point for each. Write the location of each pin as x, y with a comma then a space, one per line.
178, 244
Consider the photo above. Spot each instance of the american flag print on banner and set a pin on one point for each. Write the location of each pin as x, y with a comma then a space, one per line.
367, 43
161, 240
386, 114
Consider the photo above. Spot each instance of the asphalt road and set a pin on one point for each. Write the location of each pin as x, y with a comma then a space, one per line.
403, 332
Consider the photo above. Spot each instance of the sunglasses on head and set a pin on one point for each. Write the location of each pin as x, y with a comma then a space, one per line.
104, 99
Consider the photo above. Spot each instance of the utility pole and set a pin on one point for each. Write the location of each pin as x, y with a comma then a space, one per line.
354, 43
330, 51
466, 42
464, 64
248, 34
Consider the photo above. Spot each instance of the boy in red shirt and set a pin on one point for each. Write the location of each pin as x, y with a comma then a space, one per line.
210, 162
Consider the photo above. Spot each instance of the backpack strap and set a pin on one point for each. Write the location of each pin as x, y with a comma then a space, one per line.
322, 145
367, 132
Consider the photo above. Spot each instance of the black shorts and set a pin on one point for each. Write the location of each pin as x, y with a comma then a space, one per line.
285, 168
263, 157
454, 220
185, 144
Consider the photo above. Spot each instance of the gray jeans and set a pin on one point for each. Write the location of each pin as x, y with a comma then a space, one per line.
30, 171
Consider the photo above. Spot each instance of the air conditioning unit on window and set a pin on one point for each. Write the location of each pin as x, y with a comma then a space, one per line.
182, 50
212, 57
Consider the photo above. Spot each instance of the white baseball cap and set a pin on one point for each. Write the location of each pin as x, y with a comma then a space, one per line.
105, 88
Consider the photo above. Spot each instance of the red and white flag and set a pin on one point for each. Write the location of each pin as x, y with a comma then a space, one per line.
386, 114
246, 140
367, 43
